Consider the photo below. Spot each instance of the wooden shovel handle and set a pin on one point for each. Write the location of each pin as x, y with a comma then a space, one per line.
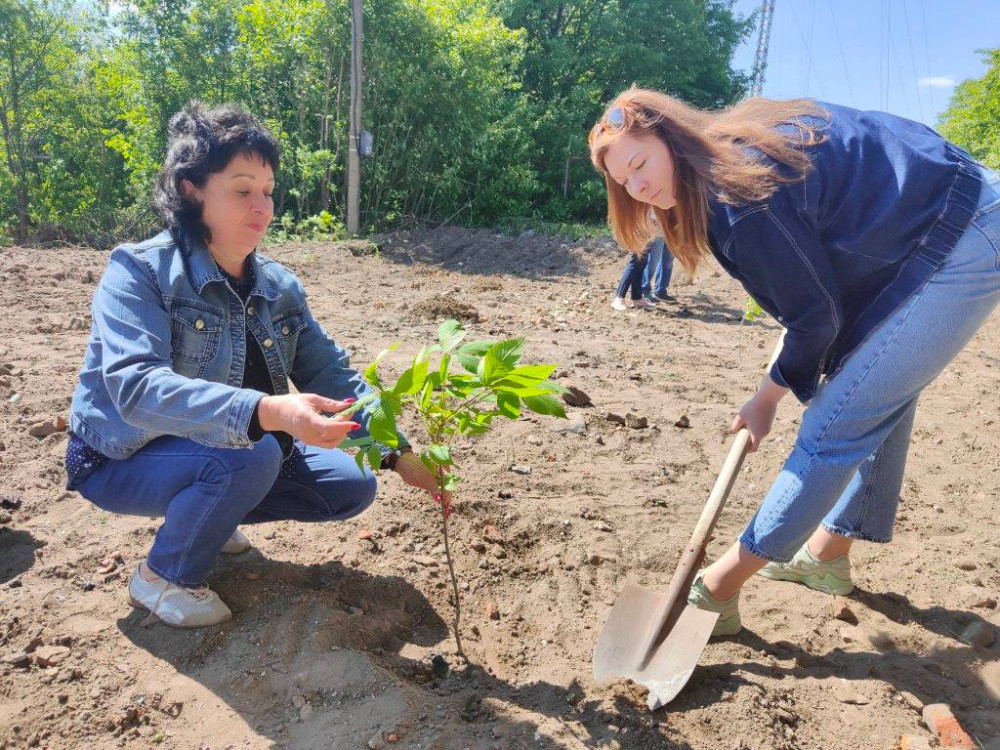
675, 601
676, 597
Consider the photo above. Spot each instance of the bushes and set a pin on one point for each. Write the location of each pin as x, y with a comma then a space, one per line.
476, 106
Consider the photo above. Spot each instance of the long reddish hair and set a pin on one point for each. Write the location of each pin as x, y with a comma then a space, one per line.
712, 151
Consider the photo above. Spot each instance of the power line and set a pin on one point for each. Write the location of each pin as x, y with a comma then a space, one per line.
899, 69
819, 80
888, 50
843, 58
881, 74
913, 60
927, 51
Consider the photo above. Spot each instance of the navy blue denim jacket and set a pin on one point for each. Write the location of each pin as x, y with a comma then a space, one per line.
832, 256
168, 347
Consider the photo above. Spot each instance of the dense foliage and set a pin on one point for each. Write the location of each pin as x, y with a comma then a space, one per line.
479, 108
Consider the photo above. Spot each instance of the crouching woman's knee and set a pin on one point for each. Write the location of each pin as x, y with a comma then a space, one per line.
355, 495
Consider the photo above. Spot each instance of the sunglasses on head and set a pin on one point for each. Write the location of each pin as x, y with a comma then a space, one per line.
612, 121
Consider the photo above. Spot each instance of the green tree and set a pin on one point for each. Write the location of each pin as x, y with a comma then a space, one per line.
972, 119
581, 53
56, 172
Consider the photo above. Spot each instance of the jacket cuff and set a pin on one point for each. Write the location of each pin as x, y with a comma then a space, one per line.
244, 408
803, 394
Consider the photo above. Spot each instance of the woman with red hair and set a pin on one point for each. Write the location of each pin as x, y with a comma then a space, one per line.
871, 239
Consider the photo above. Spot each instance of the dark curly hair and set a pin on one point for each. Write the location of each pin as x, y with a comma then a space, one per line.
201, 142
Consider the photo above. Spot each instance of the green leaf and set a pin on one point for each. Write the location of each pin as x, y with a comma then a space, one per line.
358, 405
476, 348
450, 334
534, 372
501, 358
374, 456
371, 372
382, 426
545, 405
450, 482
509, 405
440, 454
412, 379
469, 361
359, 459
362, 443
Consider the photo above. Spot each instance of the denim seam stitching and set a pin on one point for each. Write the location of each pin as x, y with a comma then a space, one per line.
204, 518
861, 377
870, 486
322, 498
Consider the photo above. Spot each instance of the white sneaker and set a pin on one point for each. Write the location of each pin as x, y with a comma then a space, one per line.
237, 544
619, 304
175, 605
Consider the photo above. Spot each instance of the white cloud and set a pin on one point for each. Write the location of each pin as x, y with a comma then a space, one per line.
938, 82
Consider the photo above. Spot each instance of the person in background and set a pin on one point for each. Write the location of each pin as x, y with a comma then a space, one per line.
659, 269
631, 284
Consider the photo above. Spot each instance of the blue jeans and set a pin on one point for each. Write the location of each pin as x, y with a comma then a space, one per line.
846, 469
659, 261
632, 276
204, 493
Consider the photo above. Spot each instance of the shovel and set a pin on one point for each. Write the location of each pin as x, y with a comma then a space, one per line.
656, 639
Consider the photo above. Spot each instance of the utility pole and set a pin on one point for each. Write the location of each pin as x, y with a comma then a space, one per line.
353, 159
760, 59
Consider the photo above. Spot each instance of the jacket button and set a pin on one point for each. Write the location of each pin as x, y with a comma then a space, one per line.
285, 330
199, 324
268, 343
250, 310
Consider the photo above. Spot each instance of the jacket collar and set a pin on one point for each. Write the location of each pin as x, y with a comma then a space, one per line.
204, 269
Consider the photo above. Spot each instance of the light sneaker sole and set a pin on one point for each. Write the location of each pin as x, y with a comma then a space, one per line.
139, 605
827, 583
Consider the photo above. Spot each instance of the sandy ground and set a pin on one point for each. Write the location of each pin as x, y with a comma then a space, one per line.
335, 638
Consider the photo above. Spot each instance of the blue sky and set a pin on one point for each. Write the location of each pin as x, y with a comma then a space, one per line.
900, 56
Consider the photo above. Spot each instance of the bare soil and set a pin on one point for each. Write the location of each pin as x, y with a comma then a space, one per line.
342, 642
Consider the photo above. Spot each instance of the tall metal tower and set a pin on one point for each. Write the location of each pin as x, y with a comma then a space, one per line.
760, 59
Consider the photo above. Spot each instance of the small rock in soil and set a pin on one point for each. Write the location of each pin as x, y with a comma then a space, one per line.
615, 418
440, 665
575, 425
842, 610
49, 656
979, 634
576, 397
20, 660
846, 692
492, 610
636, 422
517, 469
684, 423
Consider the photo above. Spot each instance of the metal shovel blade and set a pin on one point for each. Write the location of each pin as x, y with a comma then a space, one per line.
620, 651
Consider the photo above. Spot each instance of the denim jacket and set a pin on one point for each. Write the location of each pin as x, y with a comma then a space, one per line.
832, 256
168, 346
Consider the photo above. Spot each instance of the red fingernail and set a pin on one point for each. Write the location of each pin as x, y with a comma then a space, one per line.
349, 400
355, 427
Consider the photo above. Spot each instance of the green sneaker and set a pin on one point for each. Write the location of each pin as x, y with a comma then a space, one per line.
729, 610
832, 577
